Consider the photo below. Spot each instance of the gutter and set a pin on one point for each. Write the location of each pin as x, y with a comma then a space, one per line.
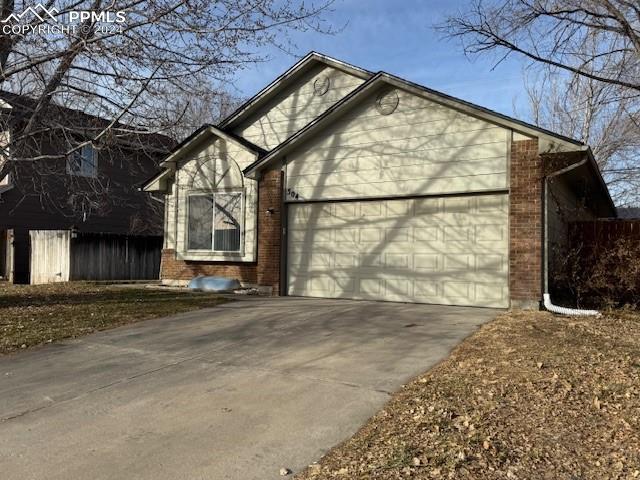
546, 297
603, 184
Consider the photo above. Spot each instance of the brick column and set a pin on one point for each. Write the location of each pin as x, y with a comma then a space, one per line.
525, 224
269, 228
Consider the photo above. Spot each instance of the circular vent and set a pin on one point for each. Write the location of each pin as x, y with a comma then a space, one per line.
321, 85
387, 102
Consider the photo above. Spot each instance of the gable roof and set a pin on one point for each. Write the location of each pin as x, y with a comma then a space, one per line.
223, 129
381, 78
157, 182
372, 81
287, 78
208, 129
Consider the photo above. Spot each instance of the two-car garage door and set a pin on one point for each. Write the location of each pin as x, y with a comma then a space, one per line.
449, 250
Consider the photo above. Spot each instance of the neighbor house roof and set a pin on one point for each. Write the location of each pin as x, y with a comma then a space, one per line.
59, 117
629, 213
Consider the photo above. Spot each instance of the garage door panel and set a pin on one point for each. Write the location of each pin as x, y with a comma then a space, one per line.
345, 285
490, 233
426, 233
449, 250
396, 260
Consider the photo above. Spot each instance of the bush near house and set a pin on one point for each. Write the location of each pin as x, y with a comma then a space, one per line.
602, 266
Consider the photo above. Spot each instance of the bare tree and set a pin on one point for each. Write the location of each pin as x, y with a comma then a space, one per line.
602, 115
554, 32
139, 64
185, 111
585, 55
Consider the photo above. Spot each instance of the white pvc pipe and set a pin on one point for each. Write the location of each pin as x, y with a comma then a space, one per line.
546, 297
568, 311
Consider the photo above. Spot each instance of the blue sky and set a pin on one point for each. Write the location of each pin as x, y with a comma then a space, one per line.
397, 36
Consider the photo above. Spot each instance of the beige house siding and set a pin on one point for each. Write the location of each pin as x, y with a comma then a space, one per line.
217, 165
421, 148
296, 106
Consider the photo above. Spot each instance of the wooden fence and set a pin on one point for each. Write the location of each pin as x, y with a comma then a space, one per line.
115, 257
599, 234
58, 255
6, 255
49, 256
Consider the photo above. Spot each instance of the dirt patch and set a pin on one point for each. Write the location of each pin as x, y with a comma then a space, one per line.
33, 315
529, 396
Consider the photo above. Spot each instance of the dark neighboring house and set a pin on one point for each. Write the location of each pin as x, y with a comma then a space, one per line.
629, 213
92, 193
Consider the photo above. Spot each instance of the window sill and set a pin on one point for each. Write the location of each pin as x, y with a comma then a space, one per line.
212, 257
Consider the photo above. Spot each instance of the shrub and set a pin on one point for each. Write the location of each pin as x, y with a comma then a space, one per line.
603, 275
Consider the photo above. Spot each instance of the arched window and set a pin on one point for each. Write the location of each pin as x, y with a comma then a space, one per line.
215, 207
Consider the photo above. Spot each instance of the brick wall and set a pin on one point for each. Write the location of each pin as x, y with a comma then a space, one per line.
182, 270
269, 229
525, 224
525, 233
266, 272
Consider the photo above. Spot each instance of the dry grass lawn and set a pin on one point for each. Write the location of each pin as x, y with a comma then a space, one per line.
529, 396
33, 315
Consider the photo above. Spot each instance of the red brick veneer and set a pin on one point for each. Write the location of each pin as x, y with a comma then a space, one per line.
525, 224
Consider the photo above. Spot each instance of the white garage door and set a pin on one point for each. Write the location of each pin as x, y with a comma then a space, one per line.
449, 250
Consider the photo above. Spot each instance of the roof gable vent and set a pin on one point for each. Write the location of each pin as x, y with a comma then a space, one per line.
321, 85
387, 102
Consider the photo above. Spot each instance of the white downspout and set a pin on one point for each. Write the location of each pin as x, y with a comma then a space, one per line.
546, 297
574, 312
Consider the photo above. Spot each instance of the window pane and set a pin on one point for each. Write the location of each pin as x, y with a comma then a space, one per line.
83, 162
227, 218
89, 164
74, 163
200, 222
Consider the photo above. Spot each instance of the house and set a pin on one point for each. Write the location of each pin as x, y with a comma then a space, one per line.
92, 193
334, 181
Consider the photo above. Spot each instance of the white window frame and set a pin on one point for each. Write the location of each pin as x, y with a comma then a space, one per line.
241, 219
88, 166
5, 157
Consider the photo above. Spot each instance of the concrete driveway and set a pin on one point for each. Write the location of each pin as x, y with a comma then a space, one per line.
233, 392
